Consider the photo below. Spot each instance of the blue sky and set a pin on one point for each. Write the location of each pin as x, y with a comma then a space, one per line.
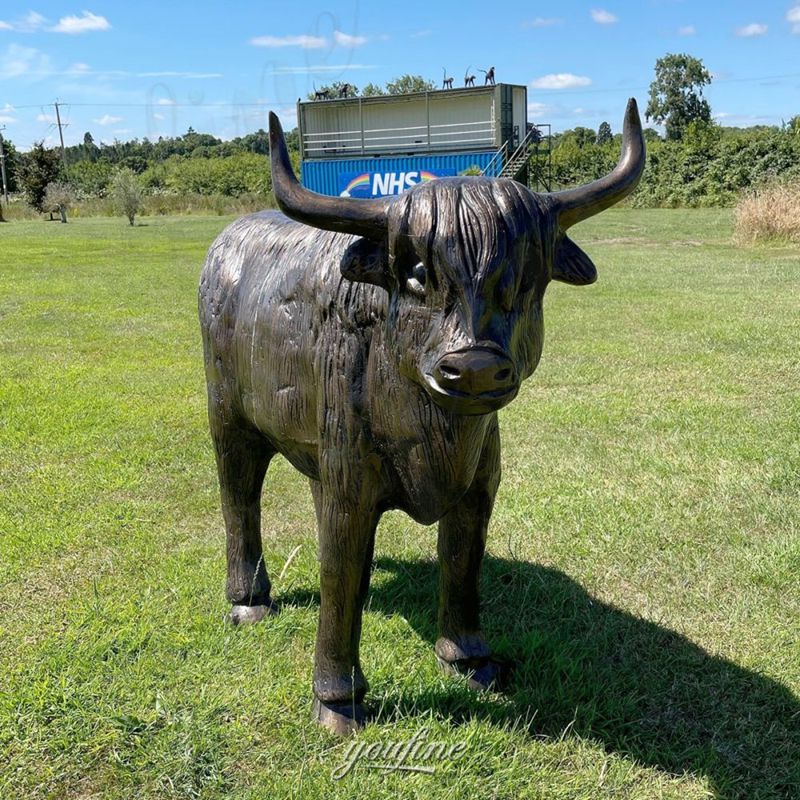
154, 68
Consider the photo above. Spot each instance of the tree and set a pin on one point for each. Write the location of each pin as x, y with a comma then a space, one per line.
127, 192
257, 142
676, 94
585, 137
89, 147
12, 165
58, 195
372, 90
38, 168
604, 134
292, 141
406, 84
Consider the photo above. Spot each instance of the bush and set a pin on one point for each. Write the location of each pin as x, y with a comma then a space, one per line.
243, 173
769, 214
127, 192
710, 166
90, 178
58, 196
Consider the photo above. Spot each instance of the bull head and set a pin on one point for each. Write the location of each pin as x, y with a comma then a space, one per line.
466, 262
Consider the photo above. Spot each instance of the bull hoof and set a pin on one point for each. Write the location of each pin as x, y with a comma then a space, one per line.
342, 720
487, 675
247, 615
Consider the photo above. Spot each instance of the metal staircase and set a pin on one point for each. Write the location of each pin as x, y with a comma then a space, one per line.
519, 158
504, 165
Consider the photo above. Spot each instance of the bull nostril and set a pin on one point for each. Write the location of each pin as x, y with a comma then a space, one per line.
451, 373
503, 375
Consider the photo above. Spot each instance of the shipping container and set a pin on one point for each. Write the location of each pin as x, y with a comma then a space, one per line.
375, 146
375, 177
452, 120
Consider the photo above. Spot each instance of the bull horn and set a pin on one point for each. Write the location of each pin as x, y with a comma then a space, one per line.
362, 217
575, 205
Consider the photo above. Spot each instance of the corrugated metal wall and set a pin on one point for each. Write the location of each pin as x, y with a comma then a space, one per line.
520, 111
445, 121
370, 177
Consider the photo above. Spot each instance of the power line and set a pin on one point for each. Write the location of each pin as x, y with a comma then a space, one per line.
751, 79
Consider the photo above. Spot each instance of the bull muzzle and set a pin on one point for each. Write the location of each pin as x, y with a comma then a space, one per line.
475, 380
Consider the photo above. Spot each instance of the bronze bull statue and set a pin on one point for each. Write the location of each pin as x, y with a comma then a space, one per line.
371, 343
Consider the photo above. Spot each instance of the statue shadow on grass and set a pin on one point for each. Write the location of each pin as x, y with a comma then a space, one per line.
583, 667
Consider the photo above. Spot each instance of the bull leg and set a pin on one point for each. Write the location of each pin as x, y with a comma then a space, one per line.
243, 456
461, 648
346, 541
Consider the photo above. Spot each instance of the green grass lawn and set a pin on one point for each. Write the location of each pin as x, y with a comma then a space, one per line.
643, 556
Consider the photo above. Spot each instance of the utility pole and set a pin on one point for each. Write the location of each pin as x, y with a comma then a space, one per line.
3, 165
61, 136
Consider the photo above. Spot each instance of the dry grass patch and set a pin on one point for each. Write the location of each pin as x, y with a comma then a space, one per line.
771, 213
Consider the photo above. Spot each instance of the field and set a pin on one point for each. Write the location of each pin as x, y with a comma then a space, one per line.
643, 568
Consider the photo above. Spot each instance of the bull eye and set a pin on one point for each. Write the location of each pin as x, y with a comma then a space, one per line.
416, 283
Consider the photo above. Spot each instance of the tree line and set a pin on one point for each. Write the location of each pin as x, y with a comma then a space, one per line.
697, 162
191, 164
694, 162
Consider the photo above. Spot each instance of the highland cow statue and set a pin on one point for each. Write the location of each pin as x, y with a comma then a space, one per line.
372, 342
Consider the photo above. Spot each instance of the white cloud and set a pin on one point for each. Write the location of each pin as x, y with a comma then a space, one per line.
743, 120
422, 34
603, 17
158, 116
687, 30
753, 29
538, 109
32, 21
541, 22
306, 42
83, 24
79, 68
346, 40
46, 118
793, 16
165, 101
122, 131
560, 80
107, 119
19, 62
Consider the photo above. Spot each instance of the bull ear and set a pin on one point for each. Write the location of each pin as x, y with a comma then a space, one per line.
365, 261
572, 265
